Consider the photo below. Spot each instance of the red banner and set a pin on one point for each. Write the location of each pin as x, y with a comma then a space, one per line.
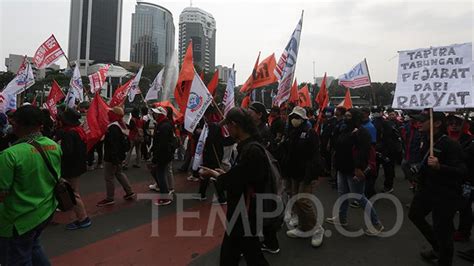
97, 79
55, 95
294, 93
263, 75
121, 94
304, 99
185, 79
48, 53
97, 121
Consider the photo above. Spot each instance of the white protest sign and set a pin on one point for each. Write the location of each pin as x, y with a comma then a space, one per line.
436, 77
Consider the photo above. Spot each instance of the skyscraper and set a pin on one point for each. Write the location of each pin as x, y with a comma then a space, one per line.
94, 31
199, 26
153, 34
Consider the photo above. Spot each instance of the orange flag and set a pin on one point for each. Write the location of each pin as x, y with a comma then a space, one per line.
347, 102
304, 98
185, 79
248, 85
294, 93
212, 85
323, 96
245, 102
264, 74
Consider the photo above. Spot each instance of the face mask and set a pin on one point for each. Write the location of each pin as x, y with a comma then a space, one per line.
296, 122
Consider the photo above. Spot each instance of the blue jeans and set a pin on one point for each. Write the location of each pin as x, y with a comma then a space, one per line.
24, 250
346, 184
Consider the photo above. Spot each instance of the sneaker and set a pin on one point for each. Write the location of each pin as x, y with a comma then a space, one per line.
79, 225
297, 233
429, 255
171, 191
105, 202
293, 221
217, 202
154, 187
136, 166
355, 204
287, 216
199, 197
335, 220
375, 231
270, 250
317, 238
99, 166
163, 202
388, 190
130, 196
192, 178
460, 237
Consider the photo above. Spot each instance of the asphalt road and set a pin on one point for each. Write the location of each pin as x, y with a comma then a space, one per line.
123, 235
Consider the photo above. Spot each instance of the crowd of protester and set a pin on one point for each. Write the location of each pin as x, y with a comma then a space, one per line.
348, 147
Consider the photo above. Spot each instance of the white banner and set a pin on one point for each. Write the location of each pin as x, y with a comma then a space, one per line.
198, 101
134, 89
198, 155
229, 101
436, 77
23, 80
357, 77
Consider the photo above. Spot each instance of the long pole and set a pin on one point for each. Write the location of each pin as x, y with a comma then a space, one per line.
374, 98
431, 133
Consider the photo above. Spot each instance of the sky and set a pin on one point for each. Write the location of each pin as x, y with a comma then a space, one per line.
336, 34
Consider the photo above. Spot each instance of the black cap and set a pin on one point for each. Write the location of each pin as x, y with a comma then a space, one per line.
425, 115
28, 116
70, 117
259, 108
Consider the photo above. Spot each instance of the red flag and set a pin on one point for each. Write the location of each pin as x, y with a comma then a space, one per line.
97, 121
323, 96
34, 101
120, 94
48, 53
212, 85
294, 98
55, 95
202, 75
304, 98
245, 102
347, 102
265, 74
185, 79
248, 85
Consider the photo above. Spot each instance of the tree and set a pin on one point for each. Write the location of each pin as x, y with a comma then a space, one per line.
5, 78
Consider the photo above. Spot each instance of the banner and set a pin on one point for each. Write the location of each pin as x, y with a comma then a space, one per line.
55, 95
294, 93
357, 77
97, 79
229, 100
48, 53
199, 100
186, 76
155, 87
347, 102
76, 89
198, 155
212, 85
97, 121
286, 66
322, 99
7, 102
134, 89
436, 77
23, 80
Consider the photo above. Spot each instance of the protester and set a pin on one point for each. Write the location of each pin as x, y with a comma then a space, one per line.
248, 174
163, 152
99, 148
352, 162
72, 139
412, 139
370, 178
339, 114
4, 143
27, 202
326, 131
439, 189
259, 114
305, 163
212, 156
116, 146
388, 146
458, 130
136, 137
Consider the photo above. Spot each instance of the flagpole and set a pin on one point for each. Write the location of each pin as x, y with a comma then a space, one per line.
64, 54
374, 99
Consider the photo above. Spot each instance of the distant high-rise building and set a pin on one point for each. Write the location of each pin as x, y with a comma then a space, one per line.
199, 26
153, 34
94, 31
224, 73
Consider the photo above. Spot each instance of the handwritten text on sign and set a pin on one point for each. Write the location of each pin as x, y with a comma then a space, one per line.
437, 77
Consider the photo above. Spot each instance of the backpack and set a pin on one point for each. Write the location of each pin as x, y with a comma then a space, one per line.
273, 185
